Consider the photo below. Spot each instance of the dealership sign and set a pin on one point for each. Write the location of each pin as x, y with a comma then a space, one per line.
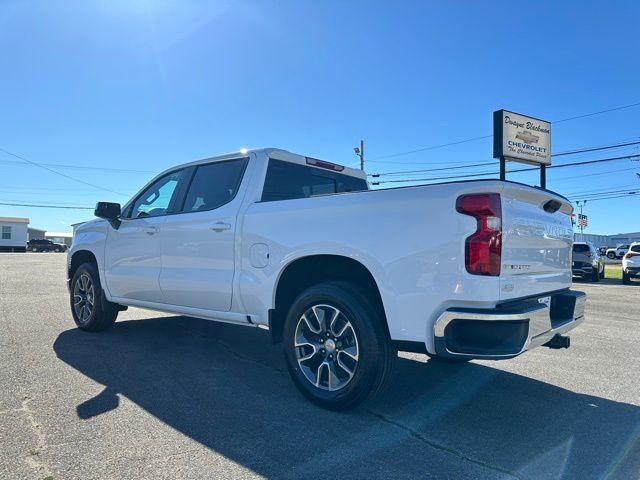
521, 139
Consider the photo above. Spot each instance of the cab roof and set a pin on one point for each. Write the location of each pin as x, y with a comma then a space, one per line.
279, 154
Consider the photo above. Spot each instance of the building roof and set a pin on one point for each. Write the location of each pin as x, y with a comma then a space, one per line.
14, 219
59, 234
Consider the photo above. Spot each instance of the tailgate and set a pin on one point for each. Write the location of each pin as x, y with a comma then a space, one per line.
536, 244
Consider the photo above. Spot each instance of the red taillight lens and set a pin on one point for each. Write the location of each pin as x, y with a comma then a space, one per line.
631, 254
483, 249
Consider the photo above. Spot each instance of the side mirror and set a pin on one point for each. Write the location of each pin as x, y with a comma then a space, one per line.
109, 211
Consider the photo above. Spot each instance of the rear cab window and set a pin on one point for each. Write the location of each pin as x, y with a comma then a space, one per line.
635, 248
214, 185
286, 181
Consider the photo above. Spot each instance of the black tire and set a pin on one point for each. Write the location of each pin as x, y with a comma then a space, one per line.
611, 256
602, 273
376, 354
625, 278
595, 275
101, 314
57, 250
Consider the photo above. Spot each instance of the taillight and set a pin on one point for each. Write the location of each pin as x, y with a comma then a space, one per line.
483, 249
631, 254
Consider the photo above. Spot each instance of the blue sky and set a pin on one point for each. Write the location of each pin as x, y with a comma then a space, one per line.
145, 85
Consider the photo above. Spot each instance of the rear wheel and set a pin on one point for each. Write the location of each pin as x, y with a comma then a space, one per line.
595, 274
89, 310
336, 346
625, 278
602, 273
611, 255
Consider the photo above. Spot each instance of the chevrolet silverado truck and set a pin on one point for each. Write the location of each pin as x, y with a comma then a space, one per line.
342, 275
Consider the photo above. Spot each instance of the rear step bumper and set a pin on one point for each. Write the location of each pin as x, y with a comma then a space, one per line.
507, 330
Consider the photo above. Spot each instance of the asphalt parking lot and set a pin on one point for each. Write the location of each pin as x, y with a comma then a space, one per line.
162, 396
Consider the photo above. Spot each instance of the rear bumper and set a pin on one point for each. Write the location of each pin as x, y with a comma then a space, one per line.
509, 329
632, 271
582, 269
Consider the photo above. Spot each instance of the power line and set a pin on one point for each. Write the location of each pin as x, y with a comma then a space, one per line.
473, 139
628, 195
46, 206
631, 105
473, 165
432, 147
588, 192
588, 162
603, 194
81, 167
594, 149
60, 173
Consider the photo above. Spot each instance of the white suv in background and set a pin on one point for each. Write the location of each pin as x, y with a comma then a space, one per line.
631, 263
618, 252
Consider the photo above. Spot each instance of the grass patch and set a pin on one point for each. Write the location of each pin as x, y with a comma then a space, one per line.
613, 271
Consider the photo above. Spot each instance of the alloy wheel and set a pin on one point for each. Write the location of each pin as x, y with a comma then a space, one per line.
326, 347
83, 297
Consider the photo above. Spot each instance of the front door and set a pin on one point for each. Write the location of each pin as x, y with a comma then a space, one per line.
132, 253
198, 244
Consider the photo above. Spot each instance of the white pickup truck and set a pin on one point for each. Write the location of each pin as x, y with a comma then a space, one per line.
342, 275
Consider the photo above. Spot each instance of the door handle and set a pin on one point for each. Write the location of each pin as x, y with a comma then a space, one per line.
151, 230
220, 226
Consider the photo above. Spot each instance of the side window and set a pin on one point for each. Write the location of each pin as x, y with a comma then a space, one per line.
213, 185
635, 248
6, 232
286, 180
156, 199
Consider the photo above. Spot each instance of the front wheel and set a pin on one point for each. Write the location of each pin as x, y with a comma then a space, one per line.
89, 310
611, 256
336, 346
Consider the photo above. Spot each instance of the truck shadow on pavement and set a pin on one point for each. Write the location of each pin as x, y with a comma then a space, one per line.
227, 388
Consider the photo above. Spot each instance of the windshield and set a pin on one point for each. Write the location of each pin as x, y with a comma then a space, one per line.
580, 248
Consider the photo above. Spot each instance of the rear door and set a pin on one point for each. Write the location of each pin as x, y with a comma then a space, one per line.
537, 239
198, 244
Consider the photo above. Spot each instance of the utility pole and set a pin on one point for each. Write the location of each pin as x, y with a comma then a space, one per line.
360, 153
580, 223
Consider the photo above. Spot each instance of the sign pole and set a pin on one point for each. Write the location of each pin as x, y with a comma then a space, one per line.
503, 168
543, 176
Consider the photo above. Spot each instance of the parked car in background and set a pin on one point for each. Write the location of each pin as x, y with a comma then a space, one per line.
602, 250
343, 276
44, 245
587, 262
617, 252
631, 263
